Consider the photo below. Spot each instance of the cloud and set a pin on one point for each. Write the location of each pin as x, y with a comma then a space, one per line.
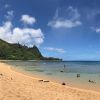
69, 18
10, 15
26, 19
92, 14
24, 36
59, 50
64, 24
27, 36
5, 31
97, 52
6, 6
98, 30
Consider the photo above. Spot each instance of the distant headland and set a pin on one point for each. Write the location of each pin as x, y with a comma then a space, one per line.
19, 52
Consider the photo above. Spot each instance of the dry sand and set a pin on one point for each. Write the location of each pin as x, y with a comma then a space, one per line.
17, 86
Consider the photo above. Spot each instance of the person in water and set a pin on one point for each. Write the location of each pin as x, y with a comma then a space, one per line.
64, 66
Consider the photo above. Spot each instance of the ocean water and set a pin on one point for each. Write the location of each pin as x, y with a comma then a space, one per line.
64, 72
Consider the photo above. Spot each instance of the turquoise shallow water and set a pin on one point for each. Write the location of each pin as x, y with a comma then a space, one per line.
88, 70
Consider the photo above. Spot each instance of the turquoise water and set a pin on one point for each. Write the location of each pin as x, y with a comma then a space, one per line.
64, 72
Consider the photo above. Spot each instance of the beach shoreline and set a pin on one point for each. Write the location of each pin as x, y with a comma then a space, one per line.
51, 80
73, 81
34, 85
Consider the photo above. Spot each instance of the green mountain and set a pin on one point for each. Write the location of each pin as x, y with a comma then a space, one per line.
18, 52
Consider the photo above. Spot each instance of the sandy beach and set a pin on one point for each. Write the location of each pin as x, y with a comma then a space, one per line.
18, 86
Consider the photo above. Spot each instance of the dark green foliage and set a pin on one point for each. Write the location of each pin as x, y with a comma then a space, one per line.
18, 52
52, 59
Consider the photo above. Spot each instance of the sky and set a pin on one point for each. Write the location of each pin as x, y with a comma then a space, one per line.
67, 29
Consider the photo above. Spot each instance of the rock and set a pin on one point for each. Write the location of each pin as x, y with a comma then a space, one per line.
91, 81
46, 81
40, 80
61, 71
1, 74
63, 83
